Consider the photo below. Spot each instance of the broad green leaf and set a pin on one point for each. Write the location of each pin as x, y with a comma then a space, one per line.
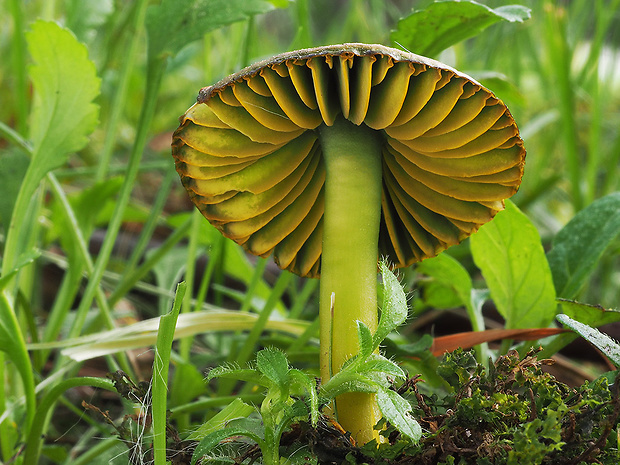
65, 84
273, 364
448, 273
578, 247
435, 294
451, 282
445, 23
509, 252
236, 409
399, 413
603, 342
394, 310
175, 23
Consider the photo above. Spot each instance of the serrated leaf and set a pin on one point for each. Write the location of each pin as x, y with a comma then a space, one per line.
603, 342
443, 24
578, 247
509, 252
398, 412
175, 23
65, 84
364, 337
242, 374
379, 364
394, 311
273, 365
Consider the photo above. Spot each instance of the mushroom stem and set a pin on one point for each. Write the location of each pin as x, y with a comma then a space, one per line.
352, 157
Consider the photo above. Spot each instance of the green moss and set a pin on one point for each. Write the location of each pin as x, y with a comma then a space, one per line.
512, 414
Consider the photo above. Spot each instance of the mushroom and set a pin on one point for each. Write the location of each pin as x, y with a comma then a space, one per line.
330, 157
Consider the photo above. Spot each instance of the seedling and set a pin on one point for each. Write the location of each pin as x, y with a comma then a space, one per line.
328, 158
367, 372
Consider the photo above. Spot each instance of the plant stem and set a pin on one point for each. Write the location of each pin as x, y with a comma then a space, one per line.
161, 364
352, 157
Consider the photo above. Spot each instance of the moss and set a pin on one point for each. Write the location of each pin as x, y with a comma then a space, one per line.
513, 413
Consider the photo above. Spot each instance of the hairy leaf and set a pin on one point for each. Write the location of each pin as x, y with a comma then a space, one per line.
365, 339
242, 374
394, 310
379, 364
273, 364
510, 255
398, 412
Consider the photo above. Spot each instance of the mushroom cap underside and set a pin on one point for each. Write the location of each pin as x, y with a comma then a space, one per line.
249, 155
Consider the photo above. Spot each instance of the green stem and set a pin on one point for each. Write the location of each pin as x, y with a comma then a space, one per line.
161, 364
352, 157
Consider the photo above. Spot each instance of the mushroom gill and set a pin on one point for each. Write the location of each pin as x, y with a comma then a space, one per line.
249, 153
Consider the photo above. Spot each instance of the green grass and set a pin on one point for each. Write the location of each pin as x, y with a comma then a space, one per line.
81, 176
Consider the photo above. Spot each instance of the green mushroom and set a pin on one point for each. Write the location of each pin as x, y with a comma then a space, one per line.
332, 157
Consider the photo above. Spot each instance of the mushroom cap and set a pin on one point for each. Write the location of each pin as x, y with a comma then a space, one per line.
249, 155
